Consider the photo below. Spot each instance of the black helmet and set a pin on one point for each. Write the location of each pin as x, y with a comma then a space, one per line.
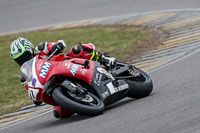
21, 50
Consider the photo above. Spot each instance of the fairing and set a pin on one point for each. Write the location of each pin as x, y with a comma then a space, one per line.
38, 71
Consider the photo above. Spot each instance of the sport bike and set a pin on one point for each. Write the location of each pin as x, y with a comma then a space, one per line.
83, 86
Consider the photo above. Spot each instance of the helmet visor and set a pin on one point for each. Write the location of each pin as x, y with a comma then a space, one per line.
24, 57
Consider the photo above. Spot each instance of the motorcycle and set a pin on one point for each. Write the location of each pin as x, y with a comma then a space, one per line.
83, 86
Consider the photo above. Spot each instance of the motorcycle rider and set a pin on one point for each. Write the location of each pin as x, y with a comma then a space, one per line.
22, 50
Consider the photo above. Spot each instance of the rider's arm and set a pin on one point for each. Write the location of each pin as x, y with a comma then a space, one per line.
45, 49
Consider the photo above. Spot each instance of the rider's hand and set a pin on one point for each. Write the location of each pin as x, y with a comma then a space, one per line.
60, 46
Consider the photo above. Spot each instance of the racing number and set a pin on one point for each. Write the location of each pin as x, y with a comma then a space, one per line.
33, 94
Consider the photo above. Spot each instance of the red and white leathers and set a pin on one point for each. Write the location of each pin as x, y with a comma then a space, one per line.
86, 51
44, 49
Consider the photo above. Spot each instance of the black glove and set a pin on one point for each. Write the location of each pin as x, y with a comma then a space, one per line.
58, 46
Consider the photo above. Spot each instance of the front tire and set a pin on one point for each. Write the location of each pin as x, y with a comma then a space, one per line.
83, 108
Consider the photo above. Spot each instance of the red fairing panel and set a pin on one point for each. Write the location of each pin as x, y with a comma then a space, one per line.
71, 68
35, 93
44, 70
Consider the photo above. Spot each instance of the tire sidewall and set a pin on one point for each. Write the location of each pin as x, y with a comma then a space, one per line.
140, 89
76, 107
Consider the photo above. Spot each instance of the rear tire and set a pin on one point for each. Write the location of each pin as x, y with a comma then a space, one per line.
84, 109
140, 89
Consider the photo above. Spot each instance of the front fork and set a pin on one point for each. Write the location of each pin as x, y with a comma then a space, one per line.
74, 88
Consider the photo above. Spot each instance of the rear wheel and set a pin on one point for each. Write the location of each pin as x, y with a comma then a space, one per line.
87, 104
140, 86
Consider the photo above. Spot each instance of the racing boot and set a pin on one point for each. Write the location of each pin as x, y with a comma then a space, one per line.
109, 61
60, 112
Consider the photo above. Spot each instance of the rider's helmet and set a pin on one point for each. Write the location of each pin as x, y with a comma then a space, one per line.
21, 50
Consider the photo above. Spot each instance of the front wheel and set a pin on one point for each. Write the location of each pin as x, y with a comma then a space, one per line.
89, 105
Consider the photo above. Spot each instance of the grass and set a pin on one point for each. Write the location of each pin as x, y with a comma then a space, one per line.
116, 41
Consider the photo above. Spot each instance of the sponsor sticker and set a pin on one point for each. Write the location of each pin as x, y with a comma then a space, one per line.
105, 94
98, 79
123, 87
45, 69
113, 89
34, 82
68, 66
83, 71
74, 69
39, 66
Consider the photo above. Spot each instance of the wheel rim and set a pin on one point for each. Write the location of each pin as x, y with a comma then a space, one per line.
88, 99
83, 99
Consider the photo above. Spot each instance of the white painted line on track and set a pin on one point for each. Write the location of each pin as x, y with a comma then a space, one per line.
25, 120
172, 62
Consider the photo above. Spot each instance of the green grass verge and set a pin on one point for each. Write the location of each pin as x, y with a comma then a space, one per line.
117, 41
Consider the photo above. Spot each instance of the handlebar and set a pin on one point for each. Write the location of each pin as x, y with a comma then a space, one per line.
50, 56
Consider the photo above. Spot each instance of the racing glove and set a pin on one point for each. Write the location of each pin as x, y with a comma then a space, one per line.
60, 46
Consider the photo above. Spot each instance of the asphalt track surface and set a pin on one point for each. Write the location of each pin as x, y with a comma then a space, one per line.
18, 15
174, 104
